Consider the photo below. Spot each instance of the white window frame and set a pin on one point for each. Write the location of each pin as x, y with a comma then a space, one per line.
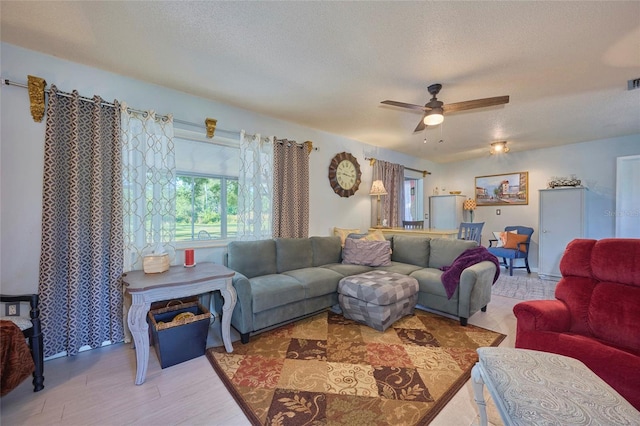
216, 140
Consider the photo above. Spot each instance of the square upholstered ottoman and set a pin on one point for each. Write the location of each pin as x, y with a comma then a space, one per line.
378, 298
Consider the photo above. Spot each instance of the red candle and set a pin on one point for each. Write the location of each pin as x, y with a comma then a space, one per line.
189, 259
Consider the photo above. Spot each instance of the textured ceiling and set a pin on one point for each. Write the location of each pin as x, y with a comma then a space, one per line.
327, 65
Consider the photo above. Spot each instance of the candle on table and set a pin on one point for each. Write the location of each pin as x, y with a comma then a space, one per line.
189, 258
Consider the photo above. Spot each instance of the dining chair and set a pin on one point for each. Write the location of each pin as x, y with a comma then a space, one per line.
413, 224
471, 231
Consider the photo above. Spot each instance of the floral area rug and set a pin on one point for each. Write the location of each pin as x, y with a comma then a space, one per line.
330, 370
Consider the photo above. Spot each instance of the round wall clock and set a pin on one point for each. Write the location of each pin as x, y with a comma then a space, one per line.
344, 174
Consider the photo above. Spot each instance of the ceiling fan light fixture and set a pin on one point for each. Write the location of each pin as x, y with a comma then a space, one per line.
499, 147
434, 117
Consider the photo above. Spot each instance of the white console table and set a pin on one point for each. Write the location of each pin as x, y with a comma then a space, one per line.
177, 282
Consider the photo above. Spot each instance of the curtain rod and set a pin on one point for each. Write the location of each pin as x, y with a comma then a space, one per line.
163, 117
110, 104
424, 172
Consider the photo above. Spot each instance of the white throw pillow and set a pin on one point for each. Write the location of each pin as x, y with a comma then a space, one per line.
498, 236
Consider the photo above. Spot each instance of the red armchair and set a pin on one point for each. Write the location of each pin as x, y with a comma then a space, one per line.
596, 315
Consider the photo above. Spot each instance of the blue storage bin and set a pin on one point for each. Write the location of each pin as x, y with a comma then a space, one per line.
181, 340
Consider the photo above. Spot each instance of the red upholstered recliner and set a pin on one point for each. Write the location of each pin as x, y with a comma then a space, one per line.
596, 317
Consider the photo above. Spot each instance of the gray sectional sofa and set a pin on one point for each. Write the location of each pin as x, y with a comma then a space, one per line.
283, 279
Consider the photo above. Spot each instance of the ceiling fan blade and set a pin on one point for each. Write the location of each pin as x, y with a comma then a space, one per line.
420, 126
403, 105
477, 103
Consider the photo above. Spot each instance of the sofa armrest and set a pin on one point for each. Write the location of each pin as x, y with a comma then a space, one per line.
542, 315
475, 288
242, 316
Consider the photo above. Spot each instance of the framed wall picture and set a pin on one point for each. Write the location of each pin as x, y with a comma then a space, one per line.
509, 189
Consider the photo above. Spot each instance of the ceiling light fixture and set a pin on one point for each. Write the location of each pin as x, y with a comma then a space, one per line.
499, 147
434, 117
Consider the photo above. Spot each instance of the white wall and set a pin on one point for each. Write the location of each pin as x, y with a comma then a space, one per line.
594, 163
22, 155
22, 141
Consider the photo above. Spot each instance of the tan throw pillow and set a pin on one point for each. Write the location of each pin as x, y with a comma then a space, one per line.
376, 235
343, 233
513, 240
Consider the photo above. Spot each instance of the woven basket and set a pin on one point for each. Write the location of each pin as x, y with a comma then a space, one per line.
178, 307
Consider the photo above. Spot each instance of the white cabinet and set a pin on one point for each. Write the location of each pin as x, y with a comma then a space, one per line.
446, 211
563, 217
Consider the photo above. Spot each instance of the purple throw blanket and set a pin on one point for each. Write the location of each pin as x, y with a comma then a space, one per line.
451, 277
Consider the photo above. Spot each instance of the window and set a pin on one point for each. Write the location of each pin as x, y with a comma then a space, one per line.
206, 207
206, 187
413, 198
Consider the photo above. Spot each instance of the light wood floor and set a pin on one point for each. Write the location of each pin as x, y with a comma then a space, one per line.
96, 388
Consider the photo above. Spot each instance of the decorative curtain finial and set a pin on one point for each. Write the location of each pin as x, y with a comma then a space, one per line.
36, 97
211, 126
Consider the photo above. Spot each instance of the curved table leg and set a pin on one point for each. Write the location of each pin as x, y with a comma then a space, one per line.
230, 297
140, 331
478, 385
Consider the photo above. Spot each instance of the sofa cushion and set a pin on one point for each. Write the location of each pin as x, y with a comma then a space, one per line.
346, 270
316, 281
271, 291
444, 251
293, 253
576, 260
576, 292
411, 250
429, 281
326, 250
616, 260
613, 314
399, 268
369, 253
252, 258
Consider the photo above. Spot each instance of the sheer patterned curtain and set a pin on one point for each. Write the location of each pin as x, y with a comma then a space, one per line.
255, 187
81, 249
290, 189
149, 185
392, 205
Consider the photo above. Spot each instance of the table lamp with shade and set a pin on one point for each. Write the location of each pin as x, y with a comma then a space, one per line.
377, 188
470, 205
